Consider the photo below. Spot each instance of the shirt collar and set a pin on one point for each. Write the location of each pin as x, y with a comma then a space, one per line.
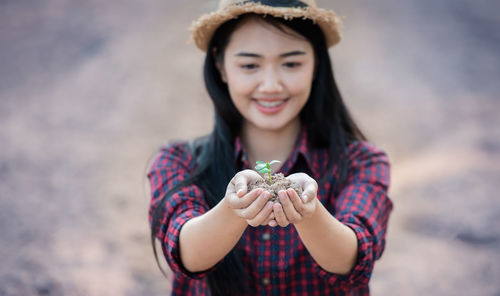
302, 149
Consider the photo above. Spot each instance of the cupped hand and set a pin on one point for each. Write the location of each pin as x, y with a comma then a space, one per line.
253, 206
293, 208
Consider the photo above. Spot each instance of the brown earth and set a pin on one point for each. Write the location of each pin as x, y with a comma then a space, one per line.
90, 89
279, 182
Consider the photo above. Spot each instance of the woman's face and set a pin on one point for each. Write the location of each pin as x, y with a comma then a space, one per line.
269, 74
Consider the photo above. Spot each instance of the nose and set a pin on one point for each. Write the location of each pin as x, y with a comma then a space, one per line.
271, 82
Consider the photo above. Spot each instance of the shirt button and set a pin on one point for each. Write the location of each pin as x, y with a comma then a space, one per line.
266, 281
266, 236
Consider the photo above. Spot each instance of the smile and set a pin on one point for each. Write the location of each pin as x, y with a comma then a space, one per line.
270, 106
270, 103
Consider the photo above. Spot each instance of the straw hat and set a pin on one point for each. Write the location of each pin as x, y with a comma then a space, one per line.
205, 26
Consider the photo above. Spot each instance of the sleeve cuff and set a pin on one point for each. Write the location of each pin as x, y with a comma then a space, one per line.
361, 272
171, 248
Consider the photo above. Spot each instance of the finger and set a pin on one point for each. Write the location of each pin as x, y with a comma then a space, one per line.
262, 216
242, 179
240, 185
246, 200
269, 218
280, 215
272, 223
308, 184
255, 207
290, 212
299, 178
310, 191
296, 201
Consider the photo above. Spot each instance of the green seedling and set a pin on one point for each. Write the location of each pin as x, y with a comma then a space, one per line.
265, 168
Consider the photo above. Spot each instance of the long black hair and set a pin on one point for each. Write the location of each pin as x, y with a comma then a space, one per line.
325, 116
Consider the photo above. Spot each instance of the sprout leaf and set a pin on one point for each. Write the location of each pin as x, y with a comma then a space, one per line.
265, 168
260, 166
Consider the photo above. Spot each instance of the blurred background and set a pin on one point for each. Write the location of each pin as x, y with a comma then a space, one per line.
89, 90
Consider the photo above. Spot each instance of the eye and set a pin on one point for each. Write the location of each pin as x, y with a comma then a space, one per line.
291, 64
249, 66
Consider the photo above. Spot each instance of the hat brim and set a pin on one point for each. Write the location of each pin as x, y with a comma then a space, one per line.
205, 26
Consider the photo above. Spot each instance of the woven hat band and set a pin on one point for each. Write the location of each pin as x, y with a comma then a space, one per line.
272, 3
282, 3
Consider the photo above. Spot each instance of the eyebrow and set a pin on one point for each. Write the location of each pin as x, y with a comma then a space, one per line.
283, 55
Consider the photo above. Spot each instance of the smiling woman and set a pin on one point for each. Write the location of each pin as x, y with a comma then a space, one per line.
268, 73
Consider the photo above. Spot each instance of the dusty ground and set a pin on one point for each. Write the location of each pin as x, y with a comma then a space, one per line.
90, 89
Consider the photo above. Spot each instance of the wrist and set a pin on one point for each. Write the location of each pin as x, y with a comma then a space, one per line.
313, 217
223, 208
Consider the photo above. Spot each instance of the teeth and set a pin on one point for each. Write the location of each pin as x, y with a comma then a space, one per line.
270, 104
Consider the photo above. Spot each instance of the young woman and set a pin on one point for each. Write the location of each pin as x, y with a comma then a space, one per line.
268, 73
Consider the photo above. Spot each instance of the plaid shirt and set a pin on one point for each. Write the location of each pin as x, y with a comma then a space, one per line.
275, 258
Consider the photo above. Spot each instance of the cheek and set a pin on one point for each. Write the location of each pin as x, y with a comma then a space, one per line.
240, 86
301, 83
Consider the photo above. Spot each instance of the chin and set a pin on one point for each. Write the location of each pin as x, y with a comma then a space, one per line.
272, 126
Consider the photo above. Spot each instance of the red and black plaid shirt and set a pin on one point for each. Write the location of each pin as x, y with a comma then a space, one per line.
275, 258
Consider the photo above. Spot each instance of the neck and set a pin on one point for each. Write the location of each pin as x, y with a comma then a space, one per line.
267, 145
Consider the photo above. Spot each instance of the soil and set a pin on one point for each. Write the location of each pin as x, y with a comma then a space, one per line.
279, 183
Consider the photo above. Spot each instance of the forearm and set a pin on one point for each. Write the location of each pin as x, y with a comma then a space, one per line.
206, 239
332, 244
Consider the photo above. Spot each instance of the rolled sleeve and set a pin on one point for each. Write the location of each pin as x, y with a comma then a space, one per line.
171, 166
361, 272
170, 241
364, 206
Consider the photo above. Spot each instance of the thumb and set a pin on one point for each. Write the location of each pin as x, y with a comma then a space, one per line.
309, 193
240, 186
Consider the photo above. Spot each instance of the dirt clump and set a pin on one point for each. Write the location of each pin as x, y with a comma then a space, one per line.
279, 183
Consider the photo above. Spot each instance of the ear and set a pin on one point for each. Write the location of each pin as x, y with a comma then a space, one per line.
219, 64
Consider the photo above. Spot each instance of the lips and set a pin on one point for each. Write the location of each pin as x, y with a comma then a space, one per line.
270, 105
